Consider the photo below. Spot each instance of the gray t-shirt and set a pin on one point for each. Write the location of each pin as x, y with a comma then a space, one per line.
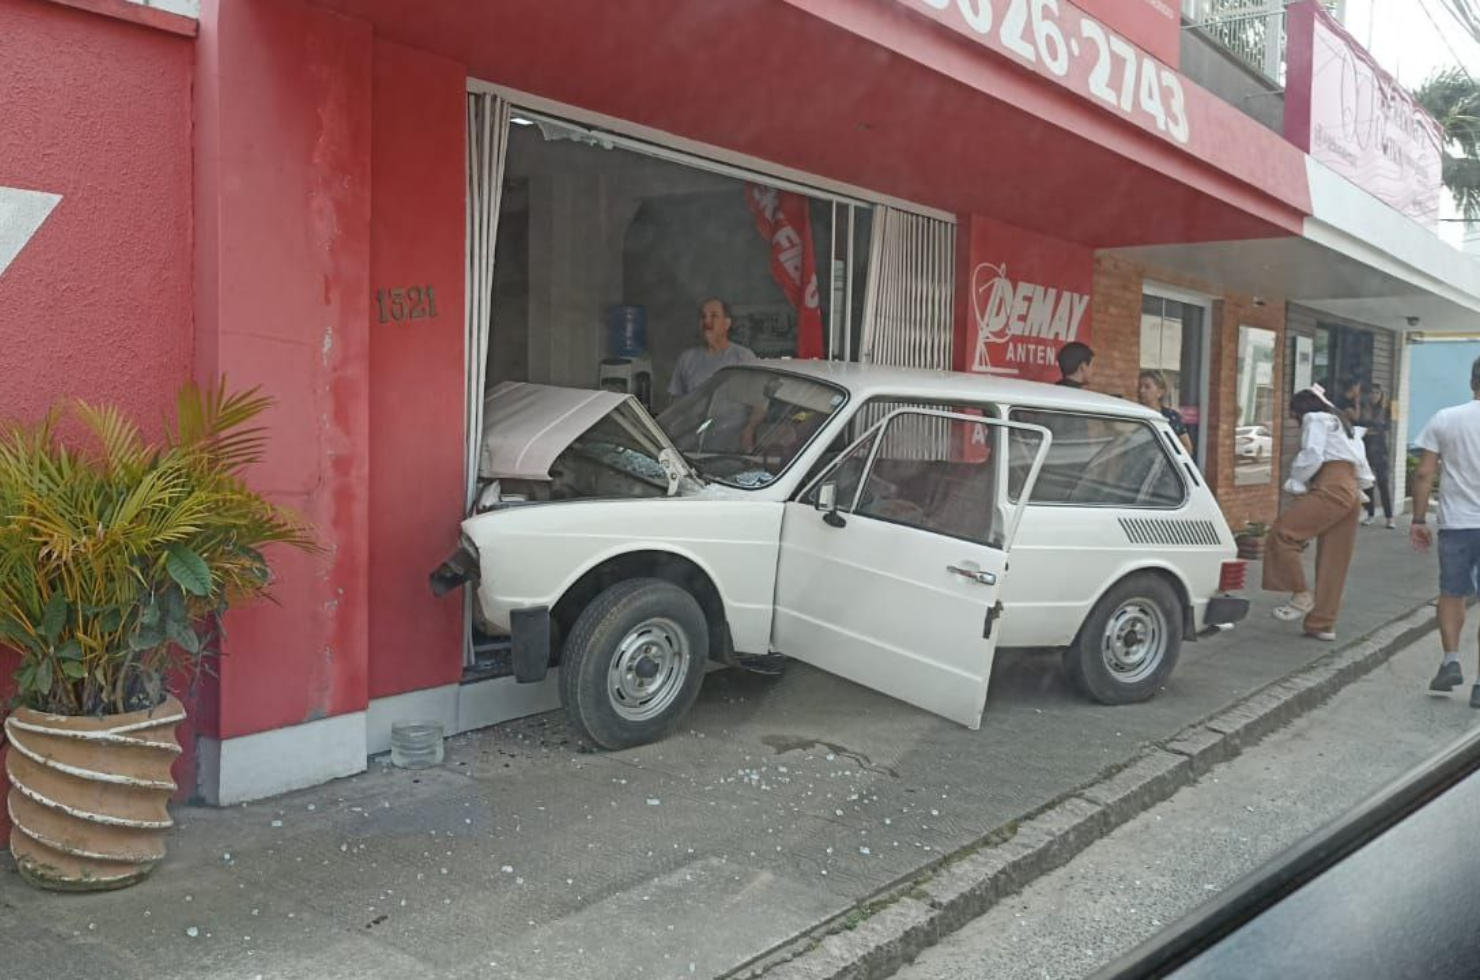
698, 364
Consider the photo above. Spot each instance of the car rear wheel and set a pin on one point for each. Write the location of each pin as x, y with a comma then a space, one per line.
1129, 644
634, 662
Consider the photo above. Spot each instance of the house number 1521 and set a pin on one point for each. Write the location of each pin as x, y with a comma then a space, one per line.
406, 303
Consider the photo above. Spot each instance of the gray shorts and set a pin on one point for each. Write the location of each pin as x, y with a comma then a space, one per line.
1459, 561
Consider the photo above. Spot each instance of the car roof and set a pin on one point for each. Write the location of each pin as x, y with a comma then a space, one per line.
877, 380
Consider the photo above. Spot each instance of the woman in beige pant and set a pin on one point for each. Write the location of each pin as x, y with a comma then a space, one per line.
1327, 477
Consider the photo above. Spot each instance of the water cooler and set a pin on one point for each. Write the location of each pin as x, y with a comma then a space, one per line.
626, 367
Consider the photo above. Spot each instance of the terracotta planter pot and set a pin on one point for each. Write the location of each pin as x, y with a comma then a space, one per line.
88, 795
1250, 549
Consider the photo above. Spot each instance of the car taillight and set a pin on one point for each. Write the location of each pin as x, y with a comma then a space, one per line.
1232, 575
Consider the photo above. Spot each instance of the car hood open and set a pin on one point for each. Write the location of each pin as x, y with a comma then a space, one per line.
526, 426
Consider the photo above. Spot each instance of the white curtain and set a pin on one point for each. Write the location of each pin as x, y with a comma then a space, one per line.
908, 315
488, 129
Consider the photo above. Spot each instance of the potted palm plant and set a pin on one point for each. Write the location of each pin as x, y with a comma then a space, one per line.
117, 559
1250, 540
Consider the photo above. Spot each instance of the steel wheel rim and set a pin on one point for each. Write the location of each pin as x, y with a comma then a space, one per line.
1135, 640
648, 670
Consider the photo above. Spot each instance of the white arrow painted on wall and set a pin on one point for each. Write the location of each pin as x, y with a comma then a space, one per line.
21, 213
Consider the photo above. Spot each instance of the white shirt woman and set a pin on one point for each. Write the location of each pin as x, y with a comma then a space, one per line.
1327, 477
1323, 440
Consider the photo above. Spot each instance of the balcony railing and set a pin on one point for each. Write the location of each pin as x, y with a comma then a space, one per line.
1253, 31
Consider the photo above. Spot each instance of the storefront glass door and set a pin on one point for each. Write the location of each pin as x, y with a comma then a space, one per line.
1174, 347
1343, 356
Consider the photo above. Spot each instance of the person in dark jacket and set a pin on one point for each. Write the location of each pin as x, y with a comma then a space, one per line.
1075, 360
1376, 416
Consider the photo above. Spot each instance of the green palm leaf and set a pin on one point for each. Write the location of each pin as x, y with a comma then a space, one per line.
97, 539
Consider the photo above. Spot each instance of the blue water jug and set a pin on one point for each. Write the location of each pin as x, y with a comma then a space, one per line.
626, 331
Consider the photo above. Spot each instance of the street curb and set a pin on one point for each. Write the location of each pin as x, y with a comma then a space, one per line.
878, 937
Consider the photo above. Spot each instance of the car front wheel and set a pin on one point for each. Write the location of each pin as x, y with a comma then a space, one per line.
1129, 644
634, 663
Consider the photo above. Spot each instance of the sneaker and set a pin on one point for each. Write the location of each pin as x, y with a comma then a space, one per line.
1475, 696
1367, 522
1391, 524
1448, 678
1325, 636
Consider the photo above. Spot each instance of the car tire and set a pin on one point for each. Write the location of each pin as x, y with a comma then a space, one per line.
633, 663
1129, 645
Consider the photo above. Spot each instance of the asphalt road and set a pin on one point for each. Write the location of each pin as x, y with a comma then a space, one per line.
1167, 861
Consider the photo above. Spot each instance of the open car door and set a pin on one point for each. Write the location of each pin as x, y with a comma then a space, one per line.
893, 559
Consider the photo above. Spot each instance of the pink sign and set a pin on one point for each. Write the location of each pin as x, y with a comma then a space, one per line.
1349, 114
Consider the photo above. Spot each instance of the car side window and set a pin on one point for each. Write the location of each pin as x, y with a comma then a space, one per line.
869, 414
1096, 462
928, 472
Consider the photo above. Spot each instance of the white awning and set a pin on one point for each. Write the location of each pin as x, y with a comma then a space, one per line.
1357, 258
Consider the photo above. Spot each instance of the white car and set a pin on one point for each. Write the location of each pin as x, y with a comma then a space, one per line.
857, 518
1252, 442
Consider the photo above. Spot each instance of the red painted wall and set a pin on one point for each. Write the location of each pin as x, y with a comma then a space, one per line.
98, 303
1020, 297
416, 366
914, 109
1155, 25
283, 252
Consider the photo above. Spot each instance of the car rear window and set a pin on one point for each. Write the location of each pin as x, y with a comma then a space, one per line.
1095, 461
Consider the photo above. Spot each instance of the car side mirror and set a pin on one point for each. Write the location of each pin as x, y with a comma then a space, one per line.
827, 502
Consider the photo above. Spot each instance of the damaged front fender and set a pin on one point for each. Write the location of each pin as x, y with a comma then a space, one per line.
461, 568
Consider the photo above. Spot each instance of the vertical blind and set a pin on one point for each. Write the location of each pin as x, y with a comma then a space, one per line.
908, 317
907, 310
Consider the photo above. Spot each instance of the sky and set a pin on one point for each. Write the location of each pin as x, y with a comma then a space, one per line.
1407, 42
1405, 37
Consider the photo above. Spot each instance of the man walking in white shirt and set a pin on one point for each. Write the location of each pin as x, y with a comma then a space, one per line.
1453, 438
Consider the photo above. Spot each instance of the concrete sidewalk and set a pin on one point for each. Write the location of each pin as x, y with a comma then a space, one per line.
786, 808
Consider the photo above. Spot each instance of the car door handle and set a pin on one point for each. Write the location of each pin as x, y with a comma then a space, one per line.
975, 574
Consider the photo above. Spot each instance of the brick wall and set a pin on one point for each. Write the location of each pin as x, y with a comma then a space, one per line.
1115, 312
1116, 307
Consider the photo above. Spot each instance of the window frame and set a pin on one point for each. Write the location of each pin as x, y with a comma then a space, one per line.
902, 402
1012, 509
1169, 293
1159, 431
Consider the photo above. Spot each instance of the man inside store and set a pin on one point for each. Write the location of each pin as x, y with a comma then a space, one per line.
736, 410
698, 364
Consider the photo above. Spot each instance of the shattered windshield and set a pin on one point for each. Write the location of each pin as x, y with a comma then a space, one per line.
620, 443
744, 426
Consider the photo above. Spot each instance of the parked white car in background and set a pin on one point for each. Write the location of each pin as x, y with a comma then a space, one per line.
856, 518
1252, 442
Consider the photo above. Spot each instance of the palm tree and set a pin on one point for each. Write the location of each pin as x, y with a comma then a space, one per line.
1453, 97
